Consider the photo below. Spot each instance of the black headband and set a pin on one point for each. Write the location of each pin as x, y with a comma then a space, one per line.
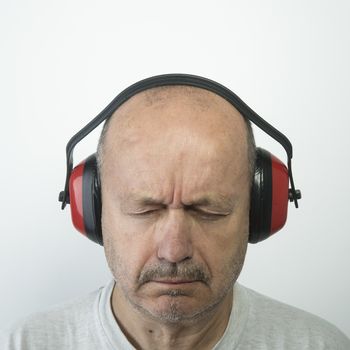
179, 79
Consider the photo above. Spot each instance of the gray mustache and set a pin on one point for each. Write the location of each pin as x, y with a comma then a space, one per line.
183, 271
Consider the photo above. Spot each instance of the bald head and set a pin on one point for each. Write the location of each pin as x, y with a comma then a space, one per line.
183, 116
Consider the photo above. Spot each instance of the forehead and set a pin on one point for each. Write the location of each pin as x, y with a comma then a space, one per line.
176, 134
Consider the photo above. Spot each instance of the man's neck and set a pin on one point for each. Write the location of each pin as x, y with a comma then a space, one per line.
145, 333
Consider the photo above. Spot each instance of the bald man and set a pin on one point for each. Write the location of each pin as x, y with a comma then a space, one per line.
175, 165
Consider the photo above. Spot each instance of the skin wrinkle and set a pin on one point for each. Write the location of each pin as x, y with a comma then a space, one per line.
175, 153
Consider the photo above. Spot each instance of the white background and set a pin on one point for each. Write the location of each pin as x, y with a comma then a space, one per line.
63, 61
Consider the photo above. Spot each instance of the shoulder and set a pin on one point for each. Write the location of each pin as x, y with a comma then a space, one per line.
53, 328
288, 326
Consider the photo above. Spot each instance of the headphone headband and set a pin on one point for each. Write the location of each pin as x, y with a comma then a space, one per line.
178, 79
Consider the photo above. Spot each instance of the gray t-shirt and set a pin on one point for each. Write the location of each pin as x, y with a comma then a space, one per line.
256, 322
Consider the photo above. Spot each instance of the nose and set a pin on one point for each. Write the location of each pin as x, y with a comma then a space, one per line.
174, 240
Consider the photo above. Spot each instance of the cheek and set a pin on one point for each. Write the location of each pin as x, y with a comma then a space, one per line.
222, 246
226, 233
127, 245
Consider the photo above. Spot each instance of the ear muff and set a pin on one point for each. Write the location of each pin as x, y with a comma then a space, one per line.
268, 203
269, 196
85, 199
270, 192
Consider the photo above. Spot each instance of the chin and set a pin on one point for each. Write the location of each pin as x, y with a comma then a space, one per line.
177, 309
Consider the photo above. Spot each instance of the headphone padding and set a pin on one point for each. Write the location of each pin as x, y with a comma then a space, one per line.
261, 198
92, 200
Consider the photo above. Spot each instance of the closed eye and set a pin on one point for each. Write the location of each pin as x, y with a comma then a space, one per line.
201, 214
207, 215
146, 212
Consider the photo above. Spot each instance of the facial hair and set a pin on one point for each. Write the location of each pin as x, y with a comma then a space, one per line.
185, 270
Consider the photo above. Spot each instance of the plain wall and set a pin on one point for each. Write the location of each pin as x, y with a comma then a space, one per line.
63, 61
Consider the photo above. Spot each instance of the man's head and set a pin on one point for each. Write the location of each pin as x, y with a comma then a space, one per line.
176, 165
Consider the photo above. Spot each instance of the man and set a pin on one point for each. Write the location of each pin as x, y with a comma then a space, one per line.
175, 165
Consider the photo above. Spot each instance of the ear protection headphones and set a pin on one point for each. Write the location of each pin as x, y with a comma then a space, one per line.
270, 190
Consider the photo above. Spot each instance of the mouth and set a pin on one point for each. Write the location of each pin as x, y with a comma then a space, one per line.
174, 287
174, 281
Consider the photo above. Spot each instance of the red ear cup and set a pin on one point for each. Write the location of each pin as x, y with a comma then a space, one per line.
85, 199
269, 196
76, 197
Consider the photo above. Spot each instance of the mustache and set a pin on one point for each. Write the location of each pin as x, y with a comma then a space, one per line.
183, 271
